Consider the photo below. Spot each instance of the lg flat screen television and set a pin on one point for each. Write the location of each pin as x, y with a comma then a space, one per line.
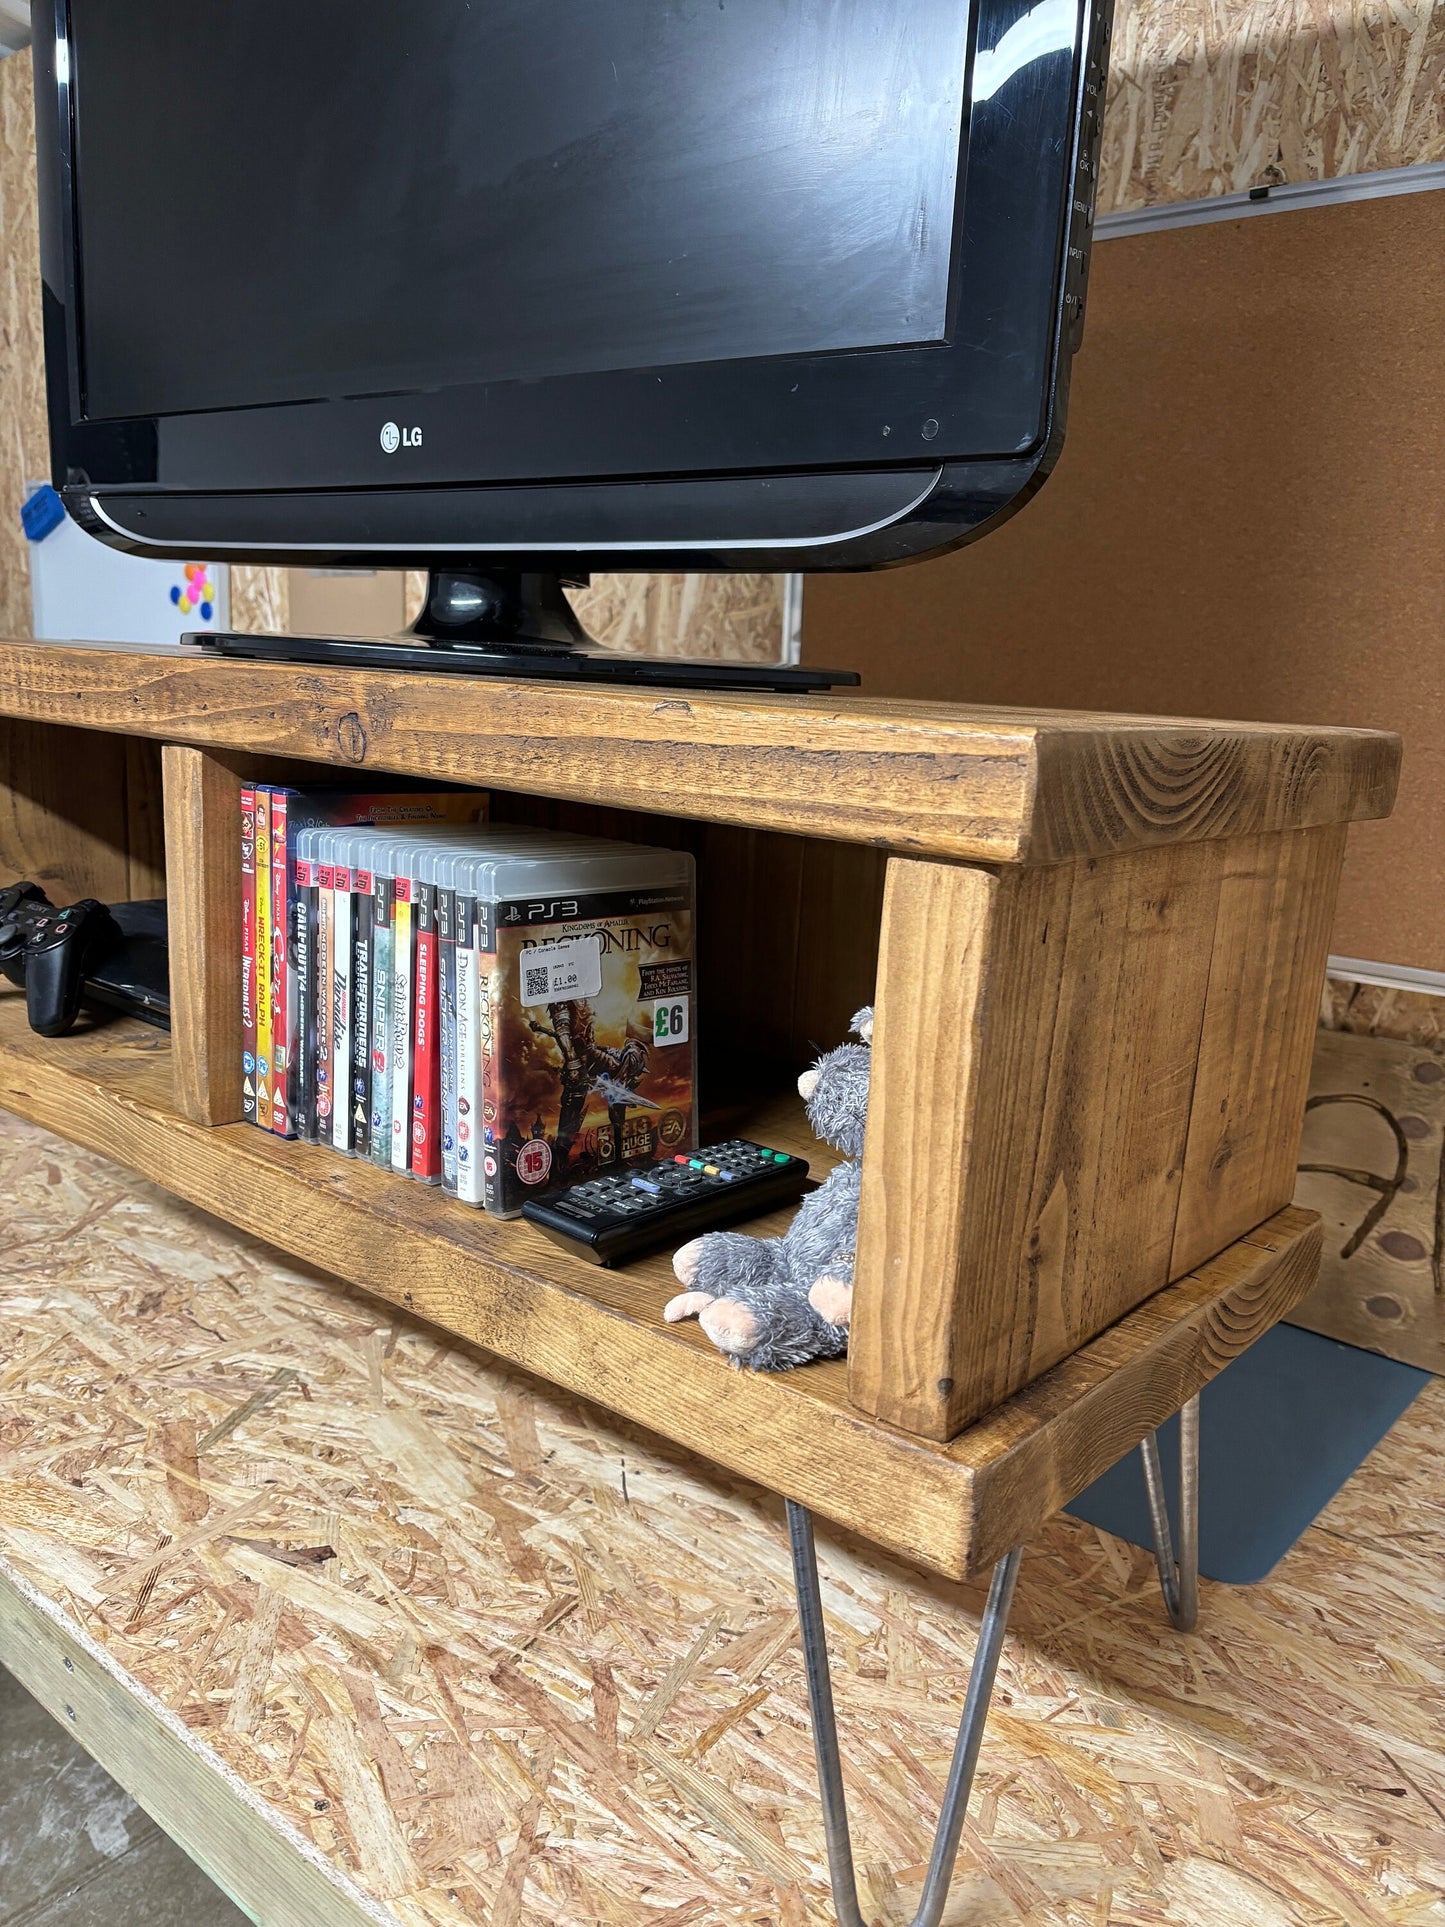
512, 290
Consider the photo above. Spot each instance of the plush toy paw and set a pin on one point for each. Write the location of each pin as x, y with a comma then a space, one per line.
731, 1326
832, 1299
685, 1261
687, 1304
771, 1330
725, 1264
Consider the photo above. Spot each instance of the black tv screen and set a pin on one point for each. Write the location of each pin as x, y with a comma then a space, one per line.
353, 197
596, 283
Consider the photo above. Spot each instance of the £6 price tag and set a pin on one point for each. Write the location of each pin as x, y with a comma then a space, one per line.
670, 1021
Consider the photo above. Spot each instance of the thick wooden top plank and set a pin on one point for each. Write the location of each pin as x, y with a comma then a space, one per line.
937, 779
949, 1507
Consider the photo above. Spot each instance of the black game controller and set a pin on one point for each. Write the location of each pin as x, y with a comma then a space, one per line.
51, 952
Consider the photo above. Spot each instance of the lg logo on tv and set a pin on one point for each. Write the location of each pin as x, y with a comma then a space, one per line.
393, 438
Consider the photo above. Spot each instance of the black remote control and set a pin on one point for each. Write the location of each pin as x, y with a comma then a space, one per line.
610, 1219
51, 951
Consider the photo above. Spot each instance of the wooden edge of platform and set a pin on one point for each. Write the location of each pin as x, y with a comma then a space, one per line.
1051, 1440
950, 1508
255, 1856
976, 784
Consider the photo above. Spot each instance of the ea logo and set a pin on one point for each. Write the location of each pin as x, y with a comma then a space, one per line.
390, 437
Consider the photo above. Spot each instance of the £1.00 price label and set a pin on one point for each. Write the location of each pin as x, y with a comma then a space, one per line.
555, 971
670, 1020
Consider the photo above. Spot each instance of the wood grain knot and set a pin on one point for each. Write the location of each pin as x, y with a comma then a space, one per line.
351, 737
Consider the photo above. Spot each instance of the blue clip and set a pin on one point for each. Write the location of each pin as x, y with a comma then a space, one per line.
43, 513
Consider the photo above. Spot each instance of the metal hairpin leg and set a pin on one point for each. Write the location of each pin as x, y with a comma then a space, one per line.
1179, 1582
825, 1729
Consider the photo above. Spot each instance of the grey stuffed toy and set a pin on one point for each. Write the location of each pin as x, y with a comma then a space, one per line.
773, 1303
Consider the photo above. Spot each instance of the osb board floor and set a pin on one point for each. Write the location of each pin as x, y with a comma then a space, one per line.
504, 1662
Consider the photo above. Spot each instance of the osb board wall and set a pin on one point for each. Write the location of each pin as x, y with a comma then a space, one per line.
1374, 1010
24, 448
260, 603
736, 616
1248, 520
503, 1662
1218, 96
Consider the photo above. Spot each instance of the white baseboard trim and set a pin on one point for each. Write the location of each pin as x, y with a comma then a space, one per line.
1357, 970
1378, 185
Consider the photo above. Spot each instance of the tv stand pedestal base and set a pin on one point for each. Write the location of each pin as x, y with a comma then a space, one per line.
519, 625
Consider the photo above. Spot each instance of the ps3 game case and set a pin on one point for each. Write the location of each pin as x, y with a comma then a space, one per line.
499, 1011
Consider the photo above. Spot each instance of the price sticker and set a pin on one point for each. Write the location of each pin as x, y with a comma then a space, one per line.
552, 972
670, 1021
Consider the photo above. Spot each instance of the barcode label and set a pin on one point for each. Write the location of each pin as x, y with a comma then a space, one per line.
558, 970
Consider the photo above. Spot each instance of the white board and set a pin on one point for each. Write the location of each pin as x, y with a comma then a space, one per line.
83, 591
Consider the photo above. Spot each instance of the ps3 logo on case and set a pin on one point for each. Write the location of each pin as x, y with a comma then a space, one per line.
393, 438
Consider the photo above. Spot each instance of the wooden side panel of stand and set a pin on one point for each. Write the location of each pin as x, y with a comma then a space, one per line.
1033, 1071
1276, 910
203, 867
1087, 1080
1041, 1448
63, 814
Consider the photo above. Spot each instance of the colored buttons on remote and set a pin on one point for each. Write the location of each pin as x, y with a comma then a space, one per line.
619, 1215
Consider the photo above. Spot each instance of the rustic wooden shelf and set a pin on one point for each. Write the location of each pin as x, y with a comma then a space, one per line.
952, 1508
1094, 944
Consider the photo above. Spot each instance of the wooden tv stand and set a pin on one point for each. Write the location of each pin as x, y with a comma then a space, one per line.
1095, 945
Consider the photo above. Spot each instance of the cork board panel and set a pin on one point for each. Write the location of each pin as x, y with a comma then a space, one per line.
495, 1660
1218, 96
1248, 520
1371, 1163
